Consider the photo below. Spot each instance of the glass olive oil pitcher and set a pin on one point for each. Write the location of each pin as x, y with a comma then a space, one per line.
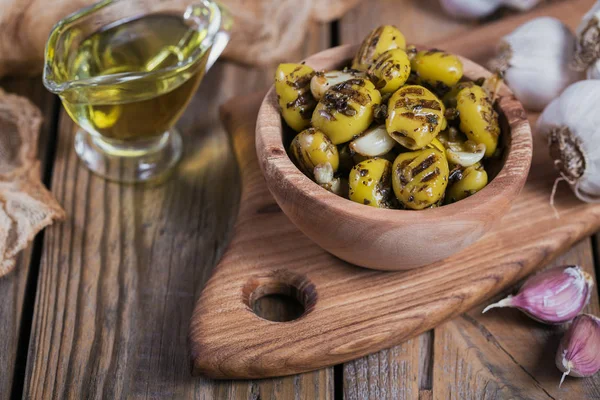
125, 71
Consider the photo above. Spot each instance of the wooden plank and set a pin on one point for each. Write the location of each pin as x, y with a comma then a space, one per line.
119, 278
17, 293
504, 354
401, 372
420, 21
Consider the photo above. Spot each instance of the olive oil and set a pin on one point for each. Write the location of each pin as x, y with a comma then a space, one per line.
146, 74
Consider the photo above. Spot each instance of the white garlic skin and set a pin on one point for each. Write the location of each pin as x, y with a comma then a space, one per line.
577, 110
593, 71
474, 9
537, 56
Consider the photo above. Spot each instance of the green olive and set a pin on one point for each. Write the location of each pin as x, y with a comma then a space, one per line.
390, 71
370, 183
415, 117
380, 40
450, 97
419, 178
292, 85
346, 109
312, 147
437, 68
478, 119
474, 178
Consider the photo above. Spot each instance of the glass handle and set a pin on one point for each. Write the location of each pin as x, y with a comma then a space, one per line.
215, 20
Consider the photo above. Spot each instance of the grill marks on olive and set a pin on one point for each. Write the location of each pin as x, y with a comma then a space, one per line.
426, 163
339, 97
430, 175
305, 102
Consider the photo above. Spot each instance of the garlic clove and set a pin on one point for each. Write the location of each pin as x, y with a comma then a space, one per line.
578, 353
553, 296
323, 173
535, 61
473, 9
324, 80
373, 142
466, 158
570, 124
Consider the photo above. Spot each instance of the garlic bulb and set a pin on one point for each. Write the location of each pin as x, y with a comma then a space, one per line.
535, 60
472, 9
587, 51
578, 354
553, 296
570, 124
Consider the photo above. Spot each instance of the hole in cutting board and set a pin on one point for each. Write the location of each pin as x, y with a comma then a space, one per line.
280, 296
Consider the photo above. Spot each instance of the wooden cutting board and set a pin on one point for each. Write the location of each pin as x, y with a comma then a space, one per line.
350, 311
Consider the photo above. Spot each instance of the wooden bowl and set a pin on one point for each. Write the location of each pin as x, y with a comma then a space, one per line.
385, 239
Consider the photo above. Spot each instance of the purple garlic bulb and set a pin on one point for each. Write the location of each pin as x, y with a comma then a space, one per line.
579, 350
553, 296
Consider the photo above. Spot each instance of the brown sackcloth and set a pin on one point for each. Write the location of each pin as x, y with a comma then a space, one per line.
264, 31
26, 207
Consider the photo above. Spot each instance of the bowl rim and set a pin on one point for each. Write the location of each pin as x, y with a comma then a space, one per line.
278, 167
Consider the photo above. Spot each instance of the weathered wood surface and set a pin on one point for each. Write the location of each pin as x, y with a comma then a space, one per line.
119, 278
18, 288
153, 363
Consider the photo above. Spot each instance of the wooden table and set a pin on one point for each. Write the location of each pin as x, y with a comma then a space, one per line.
99, 306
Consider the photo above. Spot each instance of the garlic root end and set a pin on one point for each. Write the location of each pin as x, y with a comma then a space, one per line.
506, 302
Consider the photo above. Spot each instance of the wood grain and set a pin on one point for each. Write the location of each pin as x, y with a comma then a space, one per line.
119, 279
16, 288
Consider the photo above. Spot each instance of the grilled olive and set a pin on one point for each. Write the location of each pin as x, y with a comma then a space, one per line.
380, 40
437, 144
312, 147
478, 119
450, 97
292, 85
370, 182
419, 178
474, 178
346, 109
324, 80
390, 71
437, 68
415, 117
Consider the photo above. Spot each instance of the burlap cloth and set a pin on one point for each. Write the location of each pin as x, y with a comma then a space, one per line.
264, 31
26, 207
